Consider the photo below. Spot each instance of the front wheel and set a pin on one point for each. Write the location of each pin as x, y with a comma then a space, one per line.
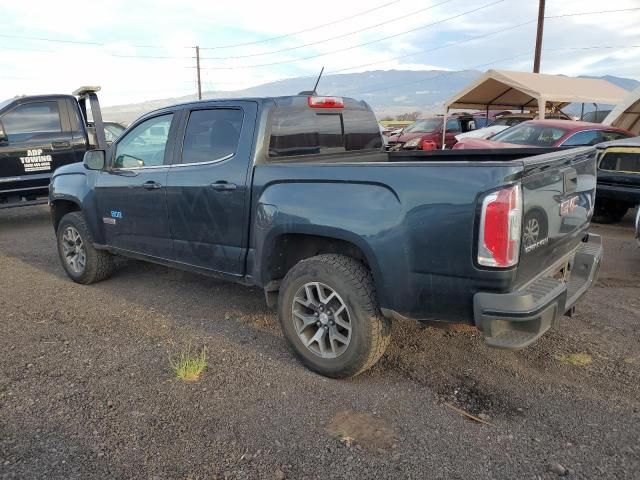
80, 259
329, 315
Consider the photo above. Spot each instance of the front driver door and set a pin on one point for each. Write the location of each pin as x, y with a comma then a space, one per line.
131, 193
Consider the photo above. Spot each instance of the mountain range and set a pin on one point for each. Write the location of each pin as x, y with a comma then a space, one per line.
389, 92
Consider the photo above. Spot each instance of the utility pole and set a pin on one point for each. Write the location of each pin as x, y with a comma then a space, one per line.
536, 61
198, 70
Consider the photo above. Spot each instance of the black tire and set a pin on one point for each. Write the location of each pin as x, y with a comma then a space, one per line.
607, 211
98, 264
370, 331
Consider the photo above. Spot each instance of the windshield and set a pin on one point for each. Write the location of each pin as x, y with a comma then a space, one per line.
4, 103
424, 126
531, 134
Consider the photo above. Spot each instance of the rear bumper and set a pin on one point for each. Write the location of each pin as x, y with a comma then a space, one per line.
516, 320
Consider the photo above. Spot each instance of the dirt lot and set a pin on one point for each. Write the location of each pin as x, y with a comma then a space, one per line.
86, 390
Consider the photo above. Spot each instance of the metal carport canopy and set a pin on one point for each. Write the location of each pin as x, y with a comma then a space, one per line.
626, 114
507, 90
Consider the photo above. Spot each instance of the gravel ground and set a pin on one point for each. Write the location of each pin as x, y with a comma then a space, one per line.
86, 390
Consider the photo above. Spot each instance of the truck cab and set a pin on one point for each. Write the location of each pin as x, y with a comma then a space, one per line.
38, 134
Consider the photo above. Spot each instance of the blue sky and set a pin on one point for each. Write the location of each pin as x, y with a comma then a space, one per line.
114, 40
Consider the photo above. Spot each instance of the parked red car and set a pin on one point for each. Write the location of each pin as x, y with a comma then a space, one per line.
424, 133
547, 133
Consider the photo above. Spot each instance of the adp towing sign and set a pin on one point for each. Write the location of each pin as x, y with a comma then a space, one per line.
35, 161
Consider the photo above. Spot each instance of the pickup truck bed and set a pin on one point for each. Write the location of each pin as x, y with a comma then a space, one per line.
329, 225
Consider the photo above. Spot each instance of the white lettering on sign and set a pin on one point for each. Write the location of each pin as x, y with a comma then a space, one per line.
35, 161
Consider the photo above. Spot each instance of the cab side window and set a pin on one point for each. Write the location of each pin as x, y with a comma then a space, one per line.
453, 126
211, 135
589, 137
144, 146
32, 119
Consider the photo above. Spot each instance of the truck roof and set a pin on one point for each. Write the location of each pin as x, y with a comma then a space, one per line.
280, 101
19, 99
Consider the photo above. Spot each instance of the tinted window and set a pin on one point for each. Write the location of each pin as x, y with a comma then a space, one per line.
24, 121
144, 145
361, 130
590, 137
211, 135
453, 126
305, 132
607, 136
621, 162
530, 134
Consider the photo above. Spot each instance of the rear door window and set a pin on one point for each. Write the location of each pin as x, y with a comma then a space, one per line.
211, 135
26, 121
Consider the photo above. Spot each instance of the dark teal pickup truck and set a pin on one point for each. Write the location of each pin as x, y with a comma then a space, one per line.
295, 195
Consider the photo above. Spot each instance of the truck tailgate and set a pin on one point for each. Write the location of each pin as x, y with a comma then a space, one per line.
558, 197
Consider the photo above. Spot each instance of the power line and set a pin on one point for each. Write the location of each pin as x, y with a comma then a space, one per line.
439, 47
304, 30
359, 45
318, 42
592, 13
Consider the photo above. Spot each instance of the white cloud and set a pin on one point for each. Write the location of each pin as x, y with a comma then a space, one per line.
30, 66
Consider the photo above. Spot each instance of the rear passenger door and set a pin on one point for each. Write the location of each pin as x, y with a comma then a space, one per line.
207, 189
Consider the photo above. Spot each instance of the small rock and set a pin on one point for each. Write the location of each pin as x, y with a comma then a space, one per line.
279, 475
278, 443
483, 416
227, 316
109, 403
556, 468
29, 365
100, 454
7, 462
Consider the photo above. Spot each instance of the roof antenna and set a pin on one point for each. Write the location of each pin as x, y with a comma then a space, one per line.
313, 92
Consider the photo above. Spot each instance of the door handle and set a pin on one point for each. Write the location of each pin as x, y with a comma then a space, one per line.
60, 144
223, 186
151, 185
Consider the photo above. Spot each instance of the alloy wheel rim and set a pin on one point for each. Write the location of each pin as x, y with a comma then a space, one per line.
322, 320
73, 249
531, 231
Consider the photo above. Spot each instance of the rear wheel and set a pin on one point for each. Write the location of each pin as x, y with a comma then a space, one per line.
80, 259
329, 314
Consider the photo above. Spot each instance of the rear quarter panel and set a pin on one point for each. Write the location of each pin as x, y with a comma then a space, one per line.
414, 223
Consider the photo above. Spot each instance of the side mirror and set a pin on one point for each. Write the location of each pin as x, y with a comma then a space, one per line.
94, 160
3, 135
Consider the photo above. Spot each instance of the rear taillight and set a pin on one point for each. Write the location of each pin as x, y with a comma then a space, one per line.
500, 226
326, 102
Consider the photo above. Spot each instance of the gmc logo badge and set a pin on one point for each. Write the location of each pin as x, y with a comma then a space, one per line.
568, 206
